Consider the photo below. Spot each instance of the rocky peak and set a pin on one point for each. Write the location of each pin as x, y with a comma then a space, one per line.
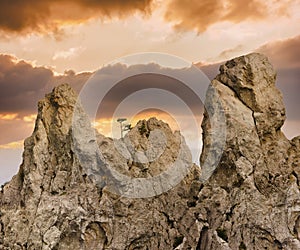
55, 110
68, 196
252, 78
257, 176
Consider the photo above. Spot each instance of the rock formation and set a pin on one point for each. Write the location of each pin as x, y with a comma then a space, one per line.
251, 200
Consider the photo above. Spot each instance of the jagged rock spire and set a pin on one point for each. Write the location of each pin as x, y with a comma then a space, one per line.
251, 200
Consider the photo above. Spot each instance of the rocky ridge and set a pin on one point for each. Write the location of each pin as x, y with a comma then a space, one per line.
251, 201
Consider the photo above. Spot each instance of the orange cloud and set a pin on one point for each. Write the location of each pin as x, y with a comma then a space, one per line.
103, 126
49, 15
12, 145
29, 118
199, 15
8, 117
42, 16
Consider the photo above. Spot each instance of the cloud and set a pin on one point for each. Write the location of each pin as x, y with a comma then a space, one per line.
22, 84
29, 118
68, 54
8, 117
12, 145
199, 15
50, 15
18, 105
284, 53
14, 130
230, 53
45, 15
150, 88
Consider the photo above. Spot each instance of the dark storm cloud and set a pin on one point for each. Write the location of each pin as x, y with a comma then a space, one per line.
22, 85
43, 15
147, 81
172, 84
76, 80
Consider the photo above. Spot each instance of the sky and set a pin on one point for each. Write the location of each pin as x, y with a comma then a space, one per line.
49, 42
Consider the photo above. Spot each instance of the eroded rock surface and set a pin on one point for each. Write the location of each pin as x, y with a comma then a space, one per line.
251, 201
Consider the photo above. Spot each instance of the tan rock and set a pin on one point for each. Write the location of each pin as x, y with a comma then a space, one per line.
74, 188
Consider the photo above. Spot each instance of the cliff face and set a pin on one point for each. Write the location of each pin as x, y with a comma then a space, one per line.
251, 201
